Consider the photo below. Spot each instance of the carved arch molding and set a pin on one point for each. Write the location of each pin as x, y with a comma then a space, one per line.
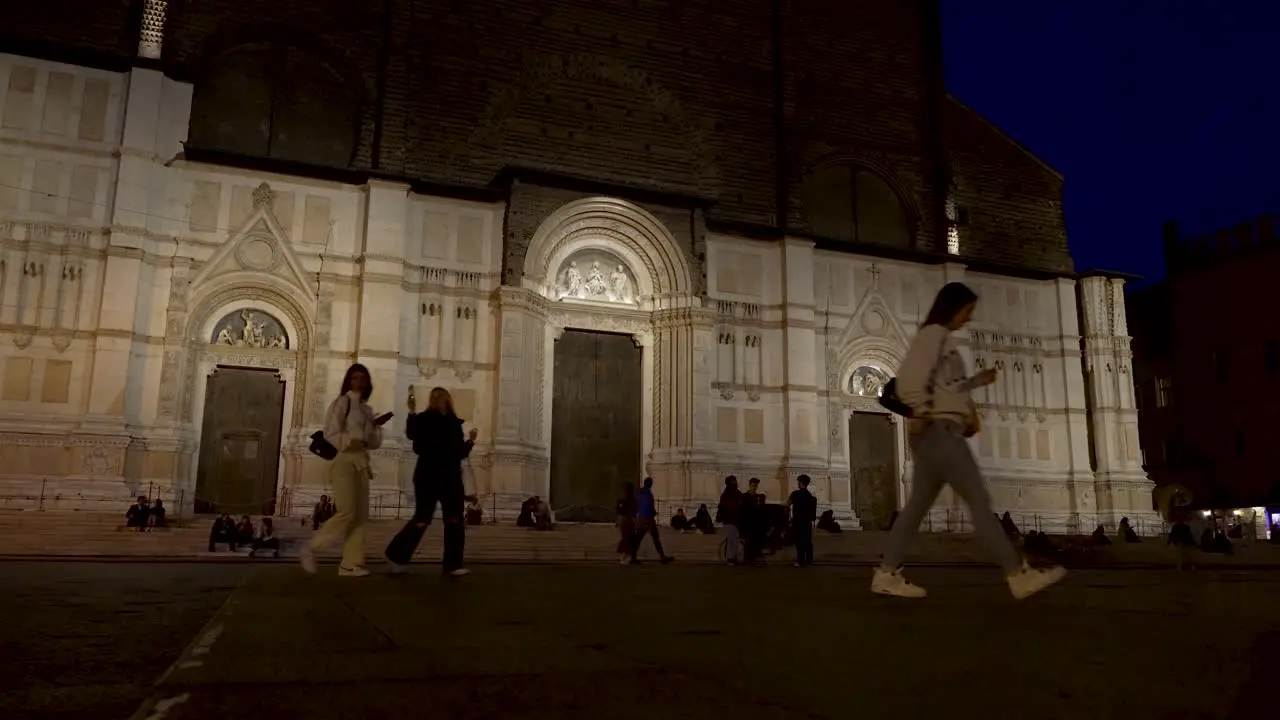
296, 357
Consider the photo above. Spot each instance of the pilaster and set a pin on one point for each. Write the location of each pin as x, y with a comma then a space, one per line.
800, 365
378, 325
119, 367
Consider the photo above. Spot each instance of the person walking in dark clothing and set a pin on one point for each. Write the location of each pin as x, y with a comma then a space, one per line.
647, 522
626, 511
729, 514
804, 511
441, 447
753, 521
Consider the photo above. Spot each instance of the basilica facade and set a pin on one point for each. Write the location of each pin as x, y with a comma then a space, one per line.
176, 319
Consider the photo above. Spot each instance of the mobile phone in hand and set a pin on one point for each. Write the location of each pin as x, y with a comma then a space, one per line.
383, 418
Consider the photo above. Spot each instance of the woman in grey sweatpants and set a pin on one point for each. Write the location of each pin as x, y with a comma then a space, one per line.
934, 382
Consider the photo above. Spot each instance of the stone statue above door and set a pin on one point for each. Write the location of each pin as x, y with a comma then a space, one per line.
596, 275
251, 328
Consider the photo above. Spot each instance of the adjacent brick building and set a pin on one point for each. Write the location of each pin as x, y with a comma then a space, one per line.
1207, 366
765, 194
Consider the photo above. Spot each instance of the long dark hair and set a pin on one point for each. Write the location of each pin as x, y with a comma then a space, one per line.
950, 300
346, 381
438, 395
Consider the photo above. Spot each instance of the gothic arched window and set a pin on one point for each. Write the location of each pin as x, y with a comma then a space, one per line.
265, 100
852, 204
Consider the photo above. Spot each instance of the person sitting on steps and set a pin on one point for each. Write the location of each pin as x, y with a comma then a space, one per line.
266, 539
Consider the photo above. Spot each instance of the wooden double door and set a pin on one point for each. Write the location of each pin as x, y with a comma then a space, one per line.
596, 411
240, 442
873, 460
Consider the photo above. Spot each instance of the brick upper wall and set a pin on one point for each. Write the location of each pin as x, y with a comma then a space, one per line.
675, 96
1013, 200
106, 30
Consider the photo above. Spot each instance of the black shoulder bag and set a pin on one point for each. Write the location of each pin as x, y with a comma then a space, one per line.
321, 446
889, 399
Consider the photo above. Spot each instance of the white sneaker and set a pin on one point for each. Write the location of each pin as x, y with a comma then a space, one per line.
884, 582
624, 560
1029, 581
344, 571
397, 568
459, 572
308, 560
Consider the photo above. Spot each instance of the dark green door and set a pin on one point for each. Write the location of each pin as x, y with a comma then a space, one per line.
240, 442
595, 424
873, 459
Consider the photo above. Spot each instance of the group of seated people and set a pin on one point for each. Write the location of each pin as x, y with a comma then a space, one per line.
143, 515
226, 531
535, 513
700, 523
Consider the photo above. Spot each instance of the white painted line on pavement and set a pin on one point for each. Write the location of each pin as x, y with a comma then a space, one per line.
162, 707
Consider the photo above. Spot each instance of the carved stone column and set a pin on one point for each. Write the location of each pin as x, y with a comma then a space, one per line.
682, 463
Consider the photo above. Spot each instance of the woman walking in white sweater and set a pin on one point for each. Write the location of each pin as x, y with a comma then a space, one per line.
351, 427
934, 383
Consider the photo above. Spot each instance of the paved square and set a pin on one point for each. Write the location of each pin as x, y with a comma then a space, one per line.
778, 642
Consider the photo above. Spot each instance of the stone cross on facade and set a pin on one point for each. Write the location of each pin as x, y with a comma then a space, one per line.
875, 276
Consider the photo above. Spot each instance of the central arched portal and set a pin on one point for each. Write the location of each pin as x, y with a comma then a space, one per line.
607, 311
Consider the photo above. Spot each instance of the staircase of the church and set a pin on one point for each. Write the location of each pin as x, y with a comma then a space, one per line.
101, 535
27, 533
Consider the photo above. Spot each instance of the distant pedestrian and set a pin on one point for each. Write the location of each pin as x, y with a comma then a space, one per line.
934, 383
626, 523
729, 515
647, 523
804, 512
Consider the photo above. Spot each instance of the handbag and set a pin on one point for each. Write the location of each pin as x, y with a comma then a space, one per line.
320, 445
889, 399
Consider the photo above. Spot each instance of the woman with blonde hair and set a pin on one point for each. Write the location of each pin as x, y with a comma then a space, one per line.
352, 429
440, 445
932, 389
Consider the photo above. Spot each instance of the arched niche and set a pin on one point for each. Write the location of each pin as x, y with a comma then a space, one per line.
610, 227
855, 204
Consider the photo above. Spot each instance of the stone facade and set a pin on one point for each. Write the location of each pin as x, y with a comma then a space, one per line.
134, 265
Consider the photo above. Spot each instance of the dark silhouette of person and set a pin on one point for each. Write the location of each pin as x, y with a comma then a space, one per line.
804, 512
626, 522
1099, 537
440, 445
753, 521
223, 531
702, 521
681, 522
729, 514
647, 522
136, 516
827, 522
157, 514
324, 510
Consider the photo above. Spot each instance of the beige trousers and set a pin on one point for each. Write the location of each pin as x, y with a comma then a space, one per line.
349, 475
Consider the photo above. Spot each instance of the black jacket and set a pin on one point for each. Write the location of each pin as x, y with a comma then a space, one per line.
439, 443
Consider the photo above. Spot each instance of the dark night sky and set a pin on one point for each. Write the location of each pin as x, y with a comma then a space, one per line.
1152, 109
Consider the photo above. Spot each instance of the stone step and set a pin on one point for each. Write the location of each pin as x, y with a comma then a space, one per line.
89, 534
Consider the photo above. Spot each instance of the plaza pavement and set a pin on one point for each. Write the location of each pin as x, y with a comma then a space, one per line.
654, 642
